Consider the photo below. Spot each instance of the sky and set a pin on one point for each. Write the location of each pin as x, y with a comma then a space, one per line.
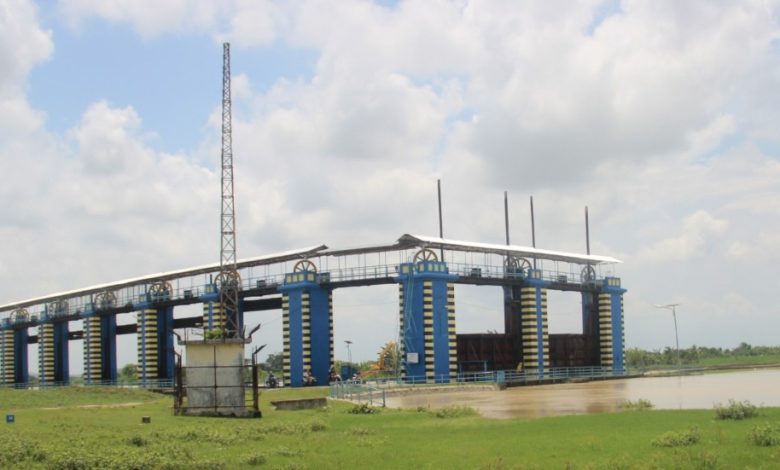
660, 116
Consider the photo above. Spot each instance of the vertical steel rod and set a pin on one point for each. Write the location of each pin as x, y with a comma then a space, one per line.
533, 229
441, 227
506, 217
587, 232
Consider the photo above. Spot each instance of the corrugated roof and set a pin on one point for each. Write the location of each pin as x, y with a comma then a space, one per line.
515, 250
152, 278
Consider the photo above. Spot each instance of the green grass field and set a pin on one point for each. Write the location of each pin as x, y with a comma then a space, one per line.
740, 360
72, 428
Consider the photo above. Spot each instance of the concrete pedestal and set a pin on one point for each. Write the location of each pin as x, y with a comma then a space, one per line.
214, 380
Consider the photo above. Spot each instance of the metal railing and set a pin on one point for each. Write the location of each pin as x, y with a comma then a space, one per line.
372, 389
138, 297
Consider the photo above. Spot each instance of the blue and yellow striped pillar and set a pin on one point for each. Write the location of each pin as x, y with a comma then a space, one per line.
155, 345
92, 351
46, 354
611, 334
100, 349
427, 321
535, 335
7, 357
213, 318
307, 326
147, 345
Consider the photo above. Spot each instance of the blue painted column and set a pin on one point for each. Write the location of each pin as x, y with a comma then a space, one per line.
611, 334
21, 371
535, 336
427, 318
61, 354
165, 359
108, 347
307, 309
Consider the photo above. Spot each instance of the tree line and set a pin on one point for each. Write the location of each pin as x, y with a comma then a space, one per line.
636, 357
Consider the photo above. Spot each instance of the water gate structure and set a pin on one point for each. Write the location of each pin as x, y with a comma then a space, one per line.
301, 282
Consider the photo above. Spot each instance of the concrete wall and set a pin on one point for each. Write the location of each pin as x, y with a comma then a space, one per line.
214, 377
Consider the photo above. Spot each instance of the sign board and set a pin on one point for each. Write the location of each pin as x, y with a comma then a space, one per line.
412, 358
9, 419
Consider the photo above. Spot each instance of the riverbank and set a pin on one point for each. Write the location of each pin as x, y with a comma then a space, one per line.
343, 435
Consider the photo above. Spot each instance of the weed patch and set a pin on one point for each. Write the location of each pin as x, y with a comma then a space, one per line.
736, 410
638, 405
363, 409
137, 441
256, 459
765, 435
456, 412
678, 439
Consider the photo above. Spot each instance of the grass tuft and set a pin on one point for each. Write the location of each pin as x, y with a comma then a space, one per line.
460, 411
256, 459
363, 409
765, 435
678, 439
736, 410
638, 405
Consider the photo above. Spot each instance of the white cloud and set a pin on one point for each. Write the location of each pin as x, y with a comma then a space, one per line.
692, 240
23, 44
631, 120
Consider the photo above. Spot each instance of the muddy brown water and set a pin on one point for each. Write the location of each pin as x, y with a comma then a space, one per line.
760, 387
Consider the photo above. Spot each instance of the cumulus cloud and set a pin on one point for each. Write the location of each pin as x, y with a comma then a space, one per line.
654, 115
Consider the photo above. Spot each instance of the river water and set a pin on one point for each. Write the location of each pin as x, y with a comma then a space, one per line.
760, 387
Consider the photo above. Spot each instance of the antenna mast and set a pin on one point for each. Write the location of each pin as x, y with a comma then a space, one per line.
229, 280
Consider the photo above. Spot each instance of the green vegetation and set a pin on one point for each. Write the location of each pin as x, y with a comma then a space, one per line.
101, 428
765, 435
677, 439
639, 405
736, 410
697, 356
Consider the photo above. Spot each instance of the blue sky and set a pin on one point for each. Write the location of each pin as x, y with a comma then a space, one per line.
660, 116
173, 81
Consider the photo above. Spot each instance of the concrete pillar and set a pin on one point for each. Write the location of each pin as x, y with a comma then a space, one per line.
100, 350
7, 369
61, 353
46, 354
535, 336
427, 317
307, 309
21, 370
611, 334
155, 345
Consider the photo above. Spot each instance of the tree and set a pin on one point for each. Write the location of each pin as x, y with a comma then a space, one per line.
274, 362
129, 373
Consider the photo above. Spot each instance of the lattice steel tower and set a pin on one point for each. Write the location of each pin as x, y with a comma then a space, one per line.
229, 281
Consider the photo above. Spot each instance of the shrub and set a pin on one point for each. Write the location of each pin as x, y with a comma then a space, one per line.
764, 435
455, 412
283, 451
360, 432
137, 441
736, 410
363, 409
317, 425
678, 439
638, 405
256, 459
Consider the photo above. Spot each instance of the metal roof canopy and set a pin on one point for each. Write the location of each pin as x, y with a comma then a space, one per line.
520, 251
169, 276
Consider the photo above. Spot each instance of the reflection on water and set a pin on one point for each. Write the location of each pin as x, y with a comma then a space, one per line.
693, 391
